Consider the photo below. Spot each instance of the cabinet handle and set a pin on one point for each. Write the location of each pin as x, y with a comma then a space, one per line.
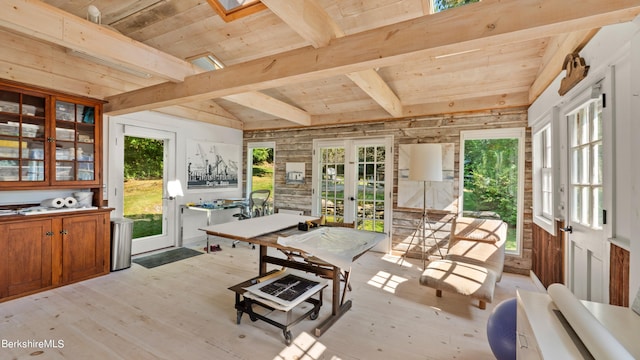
49, 233
64, 232
50, 139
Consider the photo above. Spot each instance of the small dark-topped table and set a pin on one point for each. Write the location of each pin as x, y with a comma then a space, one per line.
245, 304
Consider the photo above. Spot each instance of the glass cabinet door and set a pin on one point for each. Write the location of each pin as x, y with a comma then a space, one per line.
75, 135
22, 137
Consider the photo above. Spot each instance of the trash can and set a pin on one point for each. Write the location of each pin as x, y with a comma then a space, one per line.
121, 234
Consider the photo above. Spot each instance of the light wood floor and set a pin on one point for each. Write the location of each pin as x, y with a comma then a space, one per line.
184, 310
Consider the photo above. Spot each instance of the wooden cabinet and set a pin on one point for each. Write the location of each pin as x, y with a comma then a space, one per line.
84, 253
49, 140
74, 150
25, 257
38, 252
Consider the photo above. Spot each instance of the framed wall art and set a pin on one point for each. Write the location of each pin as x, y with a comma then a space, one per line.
212, 165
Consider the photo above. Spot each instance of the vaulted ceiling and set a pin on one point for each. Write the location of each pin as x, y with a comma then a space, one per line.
300, 62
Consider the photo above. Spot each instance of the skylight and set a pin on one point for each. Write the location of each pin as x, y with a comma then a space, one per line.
207, 62
234, 9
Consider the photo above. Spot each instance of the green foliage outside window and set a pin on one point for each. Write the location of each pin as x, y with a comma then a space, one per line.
491, 177
262, 155
143, 158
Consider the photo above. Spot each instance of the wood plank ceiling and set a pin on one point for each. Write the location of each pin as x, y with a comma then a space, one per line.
300, 62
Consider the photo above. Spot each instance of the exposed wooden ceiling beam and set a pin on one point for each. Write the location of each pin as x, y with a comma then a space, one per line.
484, 24
557, 50
427, 6
312, 22
372, 84
48, 23
196, 112
516, 99
308, 19
269, 105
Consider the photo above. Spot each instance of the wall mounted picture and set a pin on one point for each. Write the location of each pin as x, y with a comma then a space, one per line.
212, 165
295, 173
440, 194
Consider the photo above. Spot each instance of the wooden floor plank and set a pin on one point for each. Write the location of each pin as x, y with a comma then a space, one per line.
184, 310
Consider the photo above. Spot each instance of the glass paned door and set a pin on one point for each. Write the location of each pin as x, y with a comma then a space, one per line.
351, 184
147, 168
332, 183
370, 188
586, 165
586, 242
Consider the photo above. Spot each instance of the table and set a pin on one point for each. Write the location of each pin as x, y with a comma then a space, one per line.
244, 304
210, 210
265, 231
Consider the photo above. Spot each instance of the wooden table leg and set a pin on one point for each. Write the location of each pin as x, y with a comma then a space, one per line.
262, 264
335, 299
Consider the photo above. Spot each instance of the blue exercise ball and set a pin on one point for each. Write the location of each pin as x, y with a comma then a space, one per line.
501, 330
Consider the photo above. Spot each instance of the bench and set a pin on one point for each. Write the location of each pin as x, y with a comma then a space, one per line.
474, 261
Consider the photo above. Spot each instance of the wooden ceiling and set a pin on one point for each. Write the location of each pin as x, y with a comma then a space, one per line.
301, 62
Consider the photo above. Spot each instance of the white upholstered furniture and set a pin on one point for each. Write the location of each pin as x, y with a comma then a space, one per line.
474, 261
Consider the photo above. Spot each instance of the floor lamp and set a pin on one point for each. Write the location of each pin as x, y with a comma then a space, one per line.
425, 164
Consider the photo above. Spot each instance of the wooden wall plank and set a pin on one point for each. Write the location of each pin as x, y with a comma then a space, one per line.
619, 276
296, 145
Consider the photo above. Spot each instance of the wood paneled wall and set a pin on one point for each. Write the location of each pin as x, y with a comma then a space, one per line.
619, 276
296, 145
548, 255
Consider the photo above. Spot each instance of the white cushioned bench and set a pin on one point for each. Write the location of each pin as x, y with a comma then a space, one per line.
474, 261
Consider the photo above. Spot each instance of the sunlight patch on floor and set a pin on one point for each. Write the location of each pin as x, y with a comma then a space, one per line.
386, 281
303, 347
395, 259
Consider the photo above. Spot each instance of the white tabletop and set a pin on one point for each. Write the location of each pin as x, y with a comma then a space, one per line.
254, 227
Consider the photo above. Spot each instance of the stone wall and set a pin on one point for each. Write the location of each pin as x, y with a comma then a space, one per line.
296, 145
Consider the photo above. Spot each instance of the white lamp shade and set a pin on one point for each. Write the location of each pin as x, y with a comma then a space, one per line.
174, 188
425, 162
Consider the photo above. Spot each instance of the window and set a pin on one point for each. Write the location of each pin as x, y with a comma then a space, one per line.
543, 175
440, 5
586, 159
206, 62
260, 169
492, 177
230, 10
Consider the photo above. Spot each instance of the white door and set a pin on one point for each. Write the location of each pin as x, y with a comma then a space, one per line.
162, 234
587, 269
351, 183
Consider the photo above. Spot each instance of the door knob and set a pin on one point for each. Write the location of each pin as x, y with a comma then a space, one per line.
568, 229
352, 198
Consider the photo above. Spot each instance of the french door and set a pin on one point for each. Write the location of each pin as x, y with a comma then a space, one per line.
586, 240
352, 182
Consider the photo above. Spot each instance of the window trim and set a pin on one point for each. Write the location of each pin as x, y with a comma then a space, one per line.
541, 218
